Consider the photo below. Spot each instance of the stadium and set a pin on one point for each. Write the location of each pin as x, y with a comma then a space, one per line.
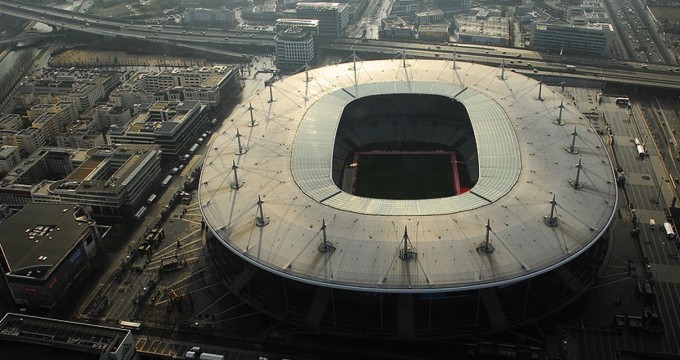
407, 199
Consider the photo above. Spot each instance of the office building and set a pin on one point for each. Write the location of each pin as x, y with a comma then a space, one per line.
112, 180
433, 33
17, 187
83, 134
404, 8
47, 251
113, 115
64, 113
173, 126
222, 17
85, 96
209, 85
490, 30
394, 27
10, 122
591, 39
429, 17
31, 337
333, 17
29, 139
311, 25
9, 157
294, 48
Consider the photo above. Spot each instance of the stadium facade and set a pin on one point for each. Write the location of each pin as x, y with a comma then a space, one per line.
523, 234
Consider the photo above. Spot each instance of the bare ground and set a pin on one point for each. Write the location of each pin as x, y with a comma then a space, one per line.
85, 57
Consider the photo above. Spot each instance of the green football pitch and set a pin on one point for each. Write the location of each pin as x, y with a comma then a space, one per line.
404, 176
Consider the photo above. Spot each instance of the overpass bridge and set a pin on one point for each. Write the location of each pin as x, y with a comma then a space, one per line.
30, 36
239, 45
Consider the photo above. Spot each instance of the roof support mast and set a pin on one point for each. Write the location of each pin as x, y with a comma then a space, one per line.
241, 150
354, 67
252, 119
261, 220
559, 117
325, 245
551, 221
307, 79
271, 94
236, 184
486, 248
406, 253
571, 149
578, 185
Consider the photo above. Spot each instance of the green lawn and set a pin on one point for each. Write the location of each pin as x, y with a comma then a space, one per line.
406, 176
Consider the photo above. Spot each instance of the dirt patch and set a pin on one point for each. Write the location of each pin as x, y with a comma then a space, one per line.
666, 13
669, 17
113, 10
91, 58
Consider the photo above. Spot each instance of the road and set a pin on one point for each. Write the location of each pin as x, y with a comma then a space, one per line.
649, 191
637, 33
238, 44
370, 21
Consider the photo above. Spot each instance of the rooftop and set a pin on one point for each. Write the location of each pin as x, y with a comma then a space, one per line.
493, 26
433, 27
14, 179
319, 5
39, 235
565, 27
310, 22
83, 338
176, 113
7, 150
430, 13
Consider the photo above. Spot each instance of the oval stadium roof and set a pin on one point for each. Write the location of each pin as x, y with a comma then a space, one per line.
286, 161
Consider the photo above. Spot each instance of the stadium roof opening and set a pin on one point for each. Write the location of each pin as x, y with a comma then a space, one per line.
377, 154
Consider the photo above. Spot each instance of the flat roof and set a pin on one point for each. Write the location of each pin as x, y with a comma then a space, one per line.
83, 338
144, 125
494, 26
522, 165
297, 21
7, 150
24, 245
107, 168
319, 5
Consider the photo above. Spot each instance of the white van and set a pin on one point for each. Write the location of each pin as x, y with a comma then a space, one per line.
670, 232
652, 224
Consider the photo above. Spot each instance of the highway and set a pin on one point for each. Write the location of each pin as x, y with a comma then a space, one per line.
636, 32
650, 188
239, 44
